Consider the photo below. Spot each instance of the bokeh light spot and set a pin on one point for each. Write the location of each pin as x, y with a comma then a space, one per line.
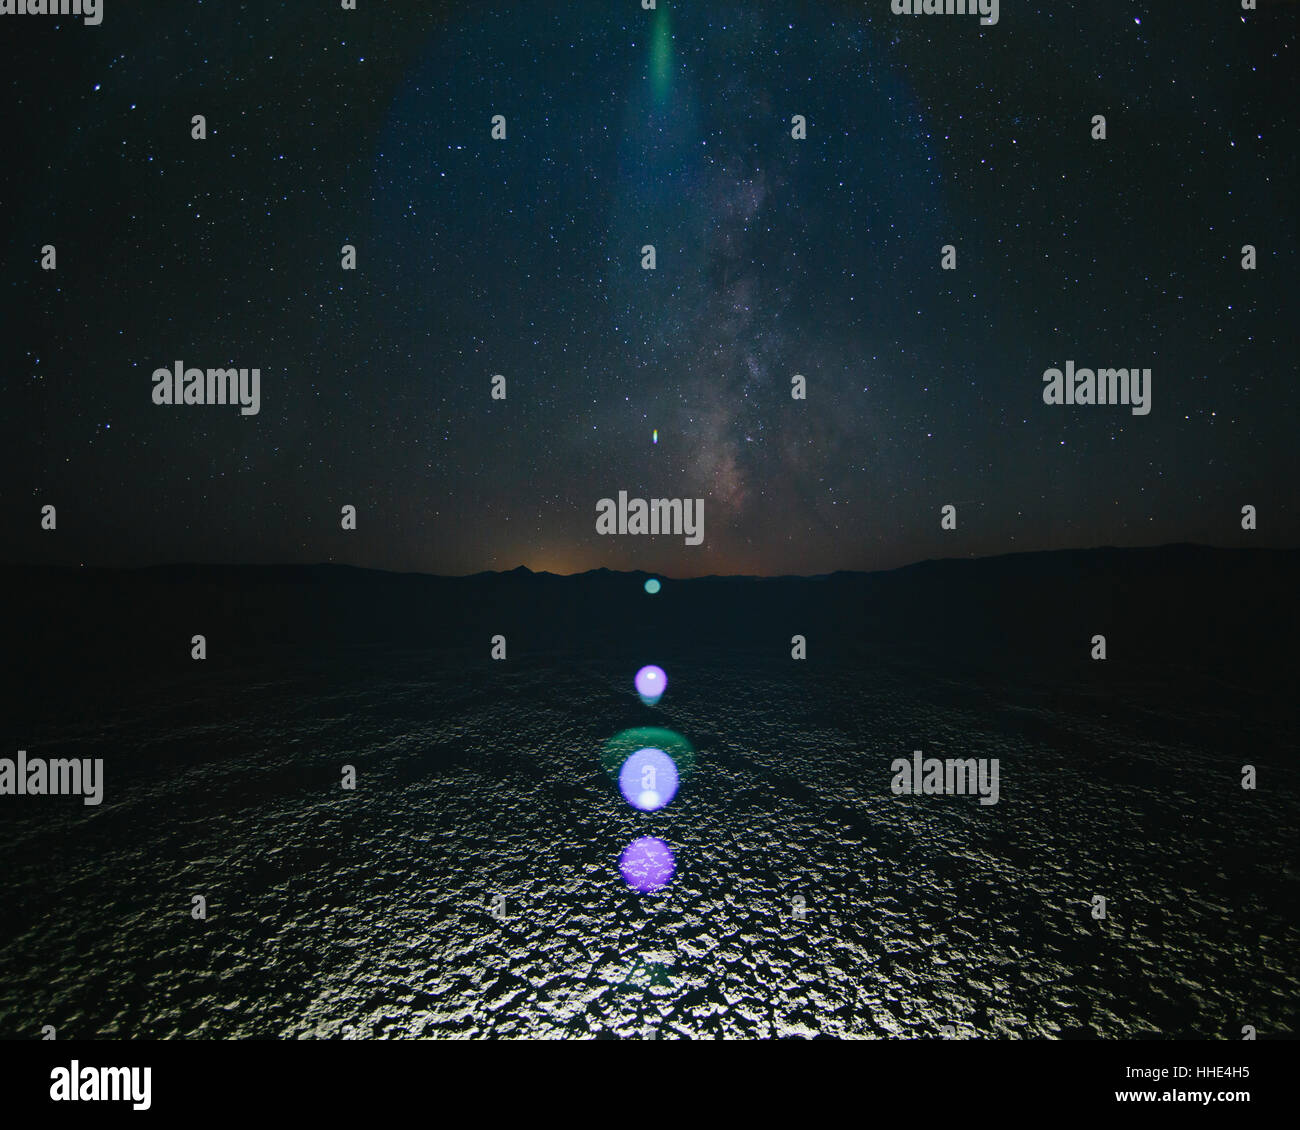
648, 779
651, 682
647, 865
627, 742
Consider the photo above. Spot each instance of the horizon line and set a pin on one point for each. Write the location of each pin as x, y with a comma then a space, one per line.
636, 572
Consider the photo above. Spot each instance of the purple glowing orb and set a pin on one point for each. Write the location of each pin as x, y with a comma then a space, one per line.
648, 779
647, 865
651, 682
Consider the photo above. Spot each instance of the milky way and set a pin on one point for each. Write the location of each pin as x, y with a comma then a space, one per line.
775, 257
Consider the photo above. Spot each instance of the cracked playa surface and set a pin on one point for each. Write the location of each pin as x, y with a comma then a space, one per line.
367, 914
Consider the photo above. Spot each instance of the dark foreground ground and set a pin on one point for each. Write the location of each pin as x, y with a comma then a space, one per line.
367, 913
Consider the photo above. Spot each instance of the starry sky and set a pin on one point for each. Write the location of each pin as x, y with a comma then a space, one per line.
522, 257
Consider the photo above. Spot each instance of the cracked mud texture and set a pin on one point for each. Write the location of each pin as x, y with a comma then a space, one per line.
368, 913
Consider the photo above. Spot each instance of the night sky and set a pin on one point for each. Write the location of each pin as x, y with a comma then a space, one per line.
522, 257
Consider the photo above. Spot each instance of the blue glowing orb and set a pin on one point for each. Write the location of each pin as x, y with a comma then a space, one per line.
651, 682
648, 779
647, 865
652, 586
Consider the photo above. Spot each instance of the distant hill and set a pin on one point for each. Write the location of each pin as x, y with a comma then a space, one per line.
1229, 611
